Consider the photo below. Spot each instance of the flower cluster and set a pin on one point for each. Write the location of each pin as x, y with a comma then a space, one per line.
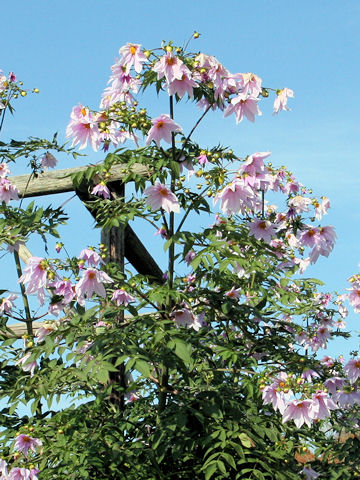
8, 191
176, 72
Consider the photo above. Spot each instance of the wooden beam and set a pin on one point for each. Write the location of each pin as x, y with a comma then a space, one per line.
19, 329
134, 250
59, 181
139, 257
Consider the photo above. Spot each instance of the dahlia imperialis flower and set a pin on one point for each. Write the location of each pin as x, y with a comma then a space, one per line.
309, 473
354, 296
170, 67
101, 190
48, 161
243, 105
24, 443
281, 99
92, 282
162, 128
36, 276
262, 229
83, 128
8, 191
120, 297
235, 197
89, 255
301, 411
159, 196
131, 54
352, 369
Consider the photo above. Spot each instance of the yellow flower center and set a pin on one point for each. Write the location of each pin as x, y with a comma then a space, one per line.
132, 50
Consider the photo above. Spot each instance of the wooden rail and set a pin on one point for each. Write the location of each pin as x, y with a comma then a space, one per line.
59, 181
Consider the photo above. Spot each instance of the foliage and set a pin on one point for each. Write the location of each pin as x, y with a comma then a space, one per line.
212, 373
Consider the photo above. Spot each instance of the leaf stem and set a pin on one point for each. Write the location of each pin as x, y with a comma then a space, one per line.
28, 318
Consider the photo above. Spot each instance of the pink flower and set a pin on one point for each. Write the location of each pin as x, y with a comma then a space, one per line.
189, 257
309, 473
346, 398
202, 159
7, 304
185, 318
254, 164
121, 297
132, 55
251, 84
352, 369
300, 204
281, 99
27, 366
159, 196
162, 232
183, 85
64, 288
334, 383
234, 293
101, 190
277, 392
235, 197
354, 296
170, 67
91, 282
3, 469
322, 208
322, 405
162, 129
262, 229
44, 331
23, 443
8, 191
90, 256
301, 411
18, 473
4, 170
270, 394
48, 161
36, 276
243, 106
310, 237
83, 128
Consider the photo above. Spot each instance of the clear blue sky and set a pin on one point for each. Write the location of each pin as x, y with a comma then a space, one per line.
66, 50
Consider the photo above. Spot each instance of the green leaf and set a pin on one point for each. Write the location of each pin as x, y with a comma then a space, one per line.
142, 366
245, 440
210, 470
183, 351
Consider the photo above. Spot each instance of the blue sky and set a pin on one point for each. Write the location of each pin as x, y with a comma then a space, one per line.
66, 50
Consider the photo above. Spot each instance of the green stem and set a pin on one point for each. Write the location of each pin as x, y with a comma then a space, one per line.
189, 209
191, 132
28, 318
172, 216
163, 389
